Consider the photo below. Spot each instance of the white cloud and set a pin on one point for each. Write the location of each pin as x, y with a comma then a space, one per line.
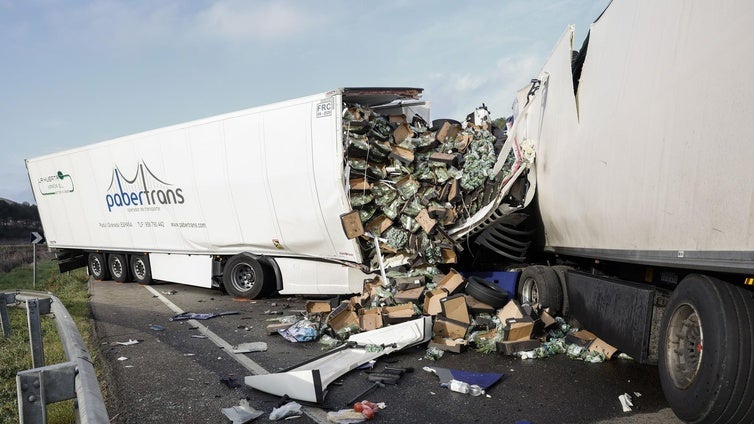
454, 95
253, 21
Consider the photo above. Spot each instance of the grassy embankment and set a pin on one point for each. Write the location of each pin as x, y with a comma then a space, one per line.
15, 353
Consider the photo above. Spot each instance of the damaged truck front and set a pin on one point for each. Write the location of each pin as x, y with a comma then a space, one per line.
306, 196
644, 188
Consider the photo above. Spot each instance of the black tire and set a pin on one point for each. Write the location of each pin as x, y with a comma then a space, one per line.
98, 268
140, 269
560, 271
118, 267
486, 291
705, 361
540, 284
243, 276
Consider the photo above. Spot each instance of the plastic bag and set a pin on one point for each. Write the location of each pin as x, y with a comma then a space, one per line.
302, 331
290, 409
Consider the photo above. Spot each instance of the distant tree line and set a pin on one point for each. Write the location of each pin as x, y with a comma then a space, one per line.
18, 220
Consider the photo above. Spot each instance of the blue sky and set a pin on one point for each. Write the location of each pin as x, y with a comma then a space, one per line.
79, 72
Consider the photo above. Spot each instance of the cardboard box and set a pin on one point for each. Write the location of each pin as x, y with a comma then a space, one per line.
511, 310
591, 342
518, 330
317, 306
410, 295
547, 320
425, 221
342, 316
370, 319
449, 345
477, 307
402, 154
448, 256
449, 328
454, 308
352, 224
359, 184
432, 299
450, 159
581, 338
599, 345
398, 313
451, 282
447, 131
397, 119
511, 347
407, 283
454, 194
379, 224
402, 132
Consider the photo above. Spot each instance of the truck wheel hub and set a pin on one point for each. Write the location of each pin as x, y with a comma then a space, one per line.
685, 342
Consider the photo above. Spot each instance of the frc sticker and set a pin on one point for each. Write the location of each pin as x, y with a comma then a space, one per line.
54, 184
325, 108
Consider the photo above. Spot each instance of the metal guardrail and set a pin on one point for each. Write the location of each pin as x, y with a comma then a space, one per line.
43, 385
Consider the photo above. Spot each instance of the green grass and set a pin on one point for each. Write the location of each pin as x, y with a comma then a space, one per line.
15, 353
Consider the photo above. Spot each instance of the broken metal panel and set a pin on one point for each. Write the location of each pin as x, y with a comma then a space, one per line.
308, 381
373, 96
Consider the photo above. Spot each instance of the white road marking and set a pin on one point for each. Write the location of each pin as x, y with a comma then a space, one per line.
316, 414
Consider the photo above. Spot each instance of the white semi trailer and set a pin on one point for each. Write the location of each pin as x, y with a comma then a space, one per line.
250, 200
645, 187
253, 198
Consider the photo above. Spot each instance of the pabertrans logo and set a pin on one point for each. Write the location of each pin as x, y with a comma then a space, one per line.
144, 189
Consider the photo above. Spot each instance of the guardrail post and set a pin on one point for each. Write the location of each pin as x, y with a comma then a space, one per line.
35, 333
5, 299
75, 379
36, 388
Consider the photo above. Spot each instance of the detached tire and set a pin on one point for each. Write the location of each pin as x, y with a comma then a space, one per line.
540, 284
140, 269
706, 343
118, 267
98, 267
486, 291
243, 276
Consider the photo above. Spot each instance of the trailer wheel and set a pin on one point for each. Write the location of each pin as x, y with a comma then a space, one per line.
560, 271
118, 267
140, 269
540, 284
243, 276
707, 338
98, 267
486, 291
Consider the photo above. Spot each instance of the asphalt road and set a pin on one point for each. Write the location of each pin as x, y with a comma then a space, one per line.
170, 376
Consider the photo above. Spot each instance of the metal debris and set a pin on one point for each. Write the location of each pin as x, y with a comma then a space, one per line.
241, 413
128, 343
250, 347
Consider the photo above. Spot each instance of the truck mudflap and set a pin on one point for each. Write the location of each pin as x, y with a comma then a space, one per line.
619, 311
308, 381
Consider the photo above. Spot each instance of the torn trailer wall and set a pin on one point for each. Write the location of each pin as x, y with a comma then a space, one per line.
419, 187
